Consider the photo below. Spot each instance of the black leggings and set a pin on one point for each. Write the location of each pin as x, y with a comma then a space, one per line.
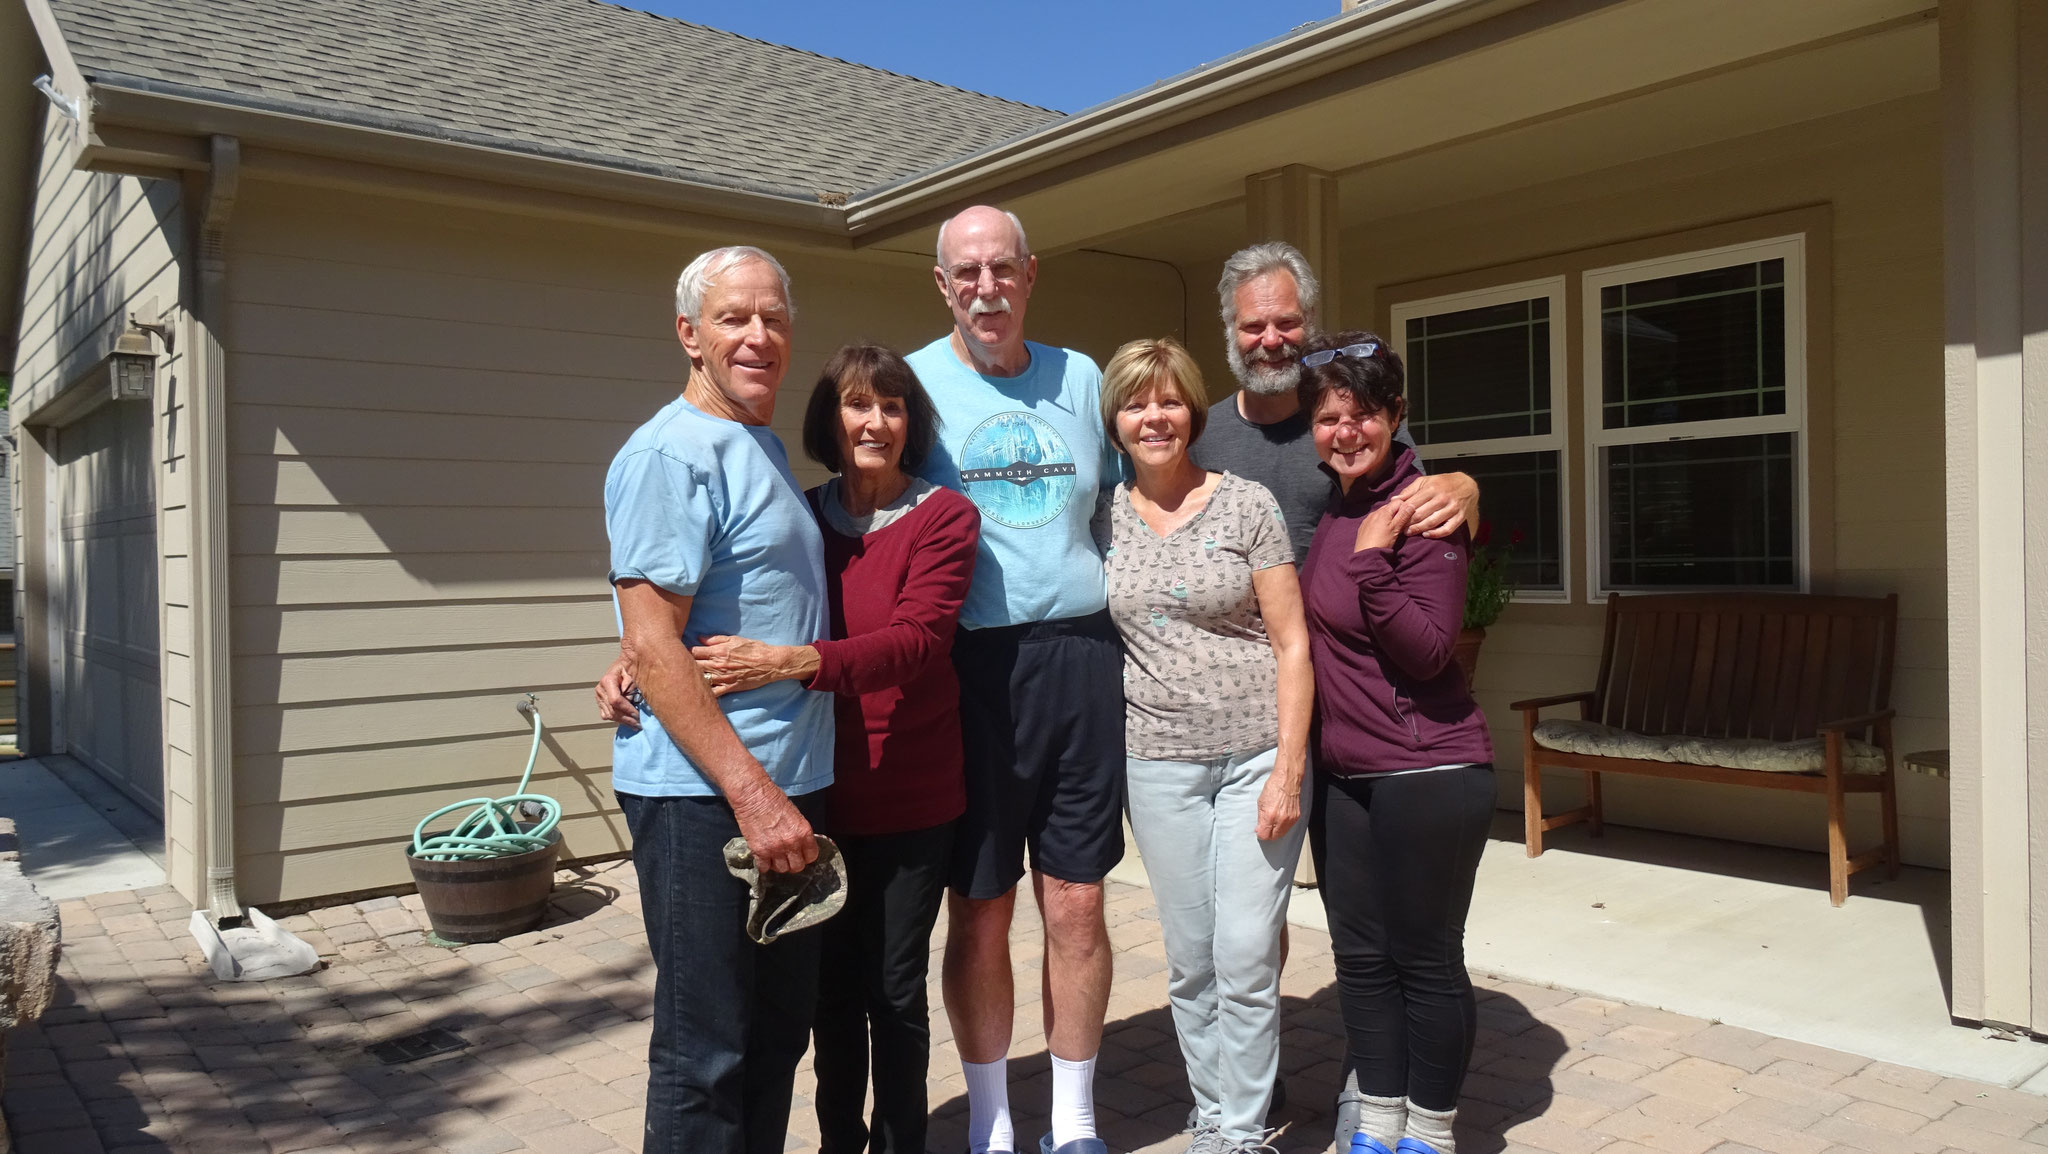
1396, 856
871, 993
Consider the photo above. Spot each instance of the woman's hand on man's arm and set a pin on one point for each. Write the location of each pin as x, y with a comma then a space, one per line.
737, 664
678, 693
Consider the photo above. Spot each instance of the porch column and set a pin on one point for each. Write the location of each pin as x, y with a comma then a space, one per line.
1995, 162
1298, 204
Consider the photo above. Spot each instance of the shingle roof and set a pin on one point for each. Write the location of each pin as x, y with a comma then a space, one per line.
573, 78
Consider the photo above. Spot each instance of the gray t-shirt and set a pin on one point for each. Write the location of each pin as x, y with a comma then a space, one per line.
1200, 678
1281, 456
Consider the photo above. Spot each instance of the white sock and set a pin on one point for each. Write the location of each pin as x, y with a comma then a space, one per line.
1386, 1119
1433, 1127
988, 1106
1073, 1100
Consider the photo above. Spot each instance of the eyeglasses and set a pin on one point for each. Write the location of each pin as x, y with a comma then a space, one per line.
1361, 351
969, 275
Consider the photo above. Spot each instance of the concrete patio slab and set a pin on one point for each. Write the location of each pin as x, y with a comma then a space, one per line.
69, 846
1733, 933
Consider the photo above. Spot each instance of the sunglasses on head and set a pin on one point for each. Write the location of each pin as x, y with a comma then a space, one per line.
1361, 351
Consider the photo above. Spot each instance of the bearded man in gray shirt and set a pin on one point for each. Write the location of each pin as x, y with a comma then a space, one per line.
1269, 297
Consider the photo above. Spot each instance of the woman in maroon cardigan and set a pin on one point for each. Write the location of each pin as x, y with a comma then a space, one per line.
1404, 774
899, 553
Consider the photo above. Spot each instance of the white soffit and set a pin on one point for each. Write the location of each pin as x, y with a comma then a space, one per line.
1609, 57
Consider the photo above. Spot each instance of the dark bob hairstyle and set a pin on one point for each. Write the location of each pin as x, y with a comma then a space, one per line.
868, 370
1374, 381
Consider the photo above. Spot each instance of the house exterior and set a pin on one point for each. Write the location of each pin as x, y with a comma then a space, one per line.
414, 263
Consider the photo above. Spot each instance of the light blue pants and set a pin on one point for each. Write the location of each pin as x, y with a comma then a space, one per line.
1222, 899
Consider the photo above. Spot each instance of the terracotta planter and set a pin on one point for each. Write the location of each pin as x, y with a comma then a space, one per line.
1465, 651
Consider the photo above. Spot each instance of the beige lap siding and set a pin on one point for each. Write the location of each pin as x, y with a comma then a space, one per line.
424, 404
102, 247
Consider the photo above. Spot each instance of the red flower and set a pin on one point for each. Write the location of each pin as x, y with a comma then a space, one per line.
1485, 533
1515, 537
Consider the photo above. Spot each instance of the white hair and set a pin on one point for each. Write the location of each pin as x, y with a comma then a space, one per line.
1249, 264
709, 266
1023, 245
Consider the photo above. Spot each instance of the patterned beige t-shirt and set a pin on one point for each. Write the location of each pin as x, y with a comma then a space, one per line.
1200, 679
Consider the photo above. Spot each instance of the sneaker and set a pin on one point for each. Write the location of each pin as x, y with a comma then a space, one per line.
1208, 1140
1273, 1106
1077, 1146
1258, 1144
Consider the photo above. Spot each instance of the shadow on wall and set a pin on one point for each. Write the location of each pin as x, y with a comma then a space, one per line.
1142, 1099
106, 604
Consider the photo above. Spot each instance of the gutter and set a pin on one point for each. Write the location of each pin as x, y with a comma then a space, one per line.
1370, 30
213, 712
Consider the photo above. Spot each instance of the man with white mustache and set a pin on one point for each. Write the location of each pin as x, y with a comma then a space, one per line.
1041, 678
1269, 298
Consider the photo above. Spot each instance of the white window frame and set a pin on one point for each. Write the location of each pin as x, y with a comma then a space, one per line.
1790, 249
1557, 290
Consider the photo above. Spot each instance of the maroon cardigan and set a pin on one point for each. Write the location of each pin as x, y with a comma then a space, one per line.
1381, 624
895, 598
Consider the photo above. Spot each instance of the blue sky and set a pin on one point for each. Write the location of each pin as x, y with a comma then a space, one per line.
1063, 54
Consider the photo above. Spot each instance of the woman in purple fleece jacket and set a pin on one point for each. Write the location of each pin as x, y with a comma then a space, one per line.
1404, 775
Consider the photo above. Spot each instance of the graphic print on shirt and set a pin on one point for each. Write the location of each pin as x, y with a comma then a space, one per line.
1017, 470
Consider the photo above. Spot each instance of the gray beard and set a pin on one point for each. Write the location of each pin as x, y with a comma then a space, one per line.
1265, 379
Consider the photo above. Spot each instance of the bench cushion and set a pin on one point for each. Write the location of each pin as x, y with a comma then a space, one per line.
1597, 740
1807, 756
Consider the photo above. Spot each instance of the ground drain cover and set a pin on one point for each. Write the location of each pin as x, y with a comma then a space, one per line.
413, 1047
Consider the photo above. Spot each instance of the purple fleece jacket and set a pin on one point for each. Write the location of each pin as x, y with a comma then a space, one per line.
1381, 623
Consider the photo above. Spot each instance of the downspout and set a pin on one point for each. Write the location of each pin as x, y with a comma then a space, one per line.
214, 713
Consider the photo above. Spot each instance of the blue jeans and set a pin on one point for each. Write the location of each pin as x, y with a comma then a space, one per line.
1222, 899
731, 1019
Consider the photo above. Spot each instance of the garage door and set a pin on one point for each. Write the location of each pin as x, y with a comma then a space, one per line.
105, 600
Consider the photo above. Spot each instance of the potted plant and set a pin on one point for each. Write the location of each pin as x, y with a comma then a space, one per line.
1487, 590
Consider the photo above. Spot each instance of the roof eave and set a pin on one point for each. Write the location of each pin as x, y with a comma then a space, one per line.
1094, 134
150, 126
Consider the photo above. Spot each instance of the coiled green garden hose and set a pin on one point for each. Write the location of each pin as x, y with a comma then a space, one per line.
493, 828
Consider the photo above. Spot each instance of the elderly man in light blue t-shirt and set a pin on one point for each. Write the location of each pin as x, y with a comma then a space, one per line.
1041, 679
710, 536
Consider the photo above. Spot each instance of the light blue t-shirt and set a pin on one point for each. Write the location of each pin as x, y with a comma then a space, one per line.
706, 508
1029, 451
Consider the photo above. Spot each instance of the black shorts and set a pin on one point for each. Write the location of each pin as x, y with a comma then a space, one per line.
1042, 716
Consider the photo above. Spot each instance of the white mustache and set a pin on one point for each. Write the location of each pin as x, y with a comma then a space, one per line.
982, 307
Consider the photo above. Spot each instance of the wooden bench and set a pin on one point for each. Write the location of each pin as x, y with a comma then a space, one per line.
1777, 666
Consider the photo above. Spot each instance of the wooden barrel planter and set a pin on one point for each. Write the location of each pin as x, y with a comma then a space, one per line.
485, 899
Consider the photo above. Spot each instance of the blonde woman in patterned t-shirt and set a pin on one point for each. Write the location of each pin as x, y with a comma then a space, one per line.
1218, 693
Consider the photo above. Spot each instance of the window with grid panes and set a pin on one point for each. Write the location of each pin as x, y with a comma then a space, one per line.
1485, 397
1695, 371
